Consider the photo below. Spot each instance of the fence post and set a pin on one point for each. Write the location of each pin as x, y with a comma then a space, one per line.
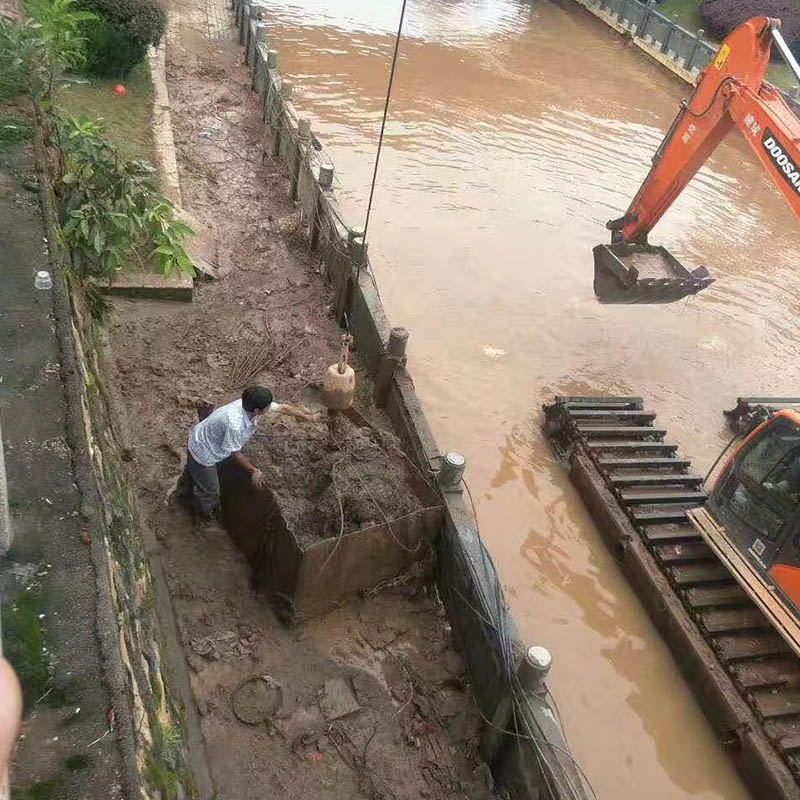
393, 357
665, 45
303, 135
244, 16
324, 181
261, 36
642, 29
356, 252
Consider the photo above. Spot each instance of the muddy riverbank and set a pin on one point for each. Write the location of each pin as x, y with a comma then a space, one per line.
374, 701
516, 130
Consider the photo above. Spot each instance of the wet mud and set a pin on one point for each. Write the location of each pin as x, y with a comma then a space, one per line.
373, 700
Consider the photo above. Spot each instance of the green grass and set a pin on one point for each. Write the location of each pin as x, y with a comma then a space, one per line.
127, 118
780, 74
685, 12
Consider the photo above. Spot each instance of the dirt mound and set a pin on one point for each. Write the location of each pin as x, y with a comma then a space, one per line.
337, 477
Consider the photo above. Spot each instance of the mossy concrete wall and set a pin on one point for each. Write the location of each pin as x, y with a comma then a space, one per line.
145, 671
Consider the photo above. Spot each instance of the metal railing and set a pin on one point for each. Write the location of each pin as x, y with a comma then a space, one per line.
683, 48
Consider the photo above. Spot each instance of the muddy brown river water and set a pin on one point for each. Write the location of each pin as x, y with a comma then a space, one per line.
516, 131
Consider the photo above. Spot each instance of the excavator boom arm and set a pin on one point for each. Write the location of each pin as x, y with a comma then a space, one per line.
730, 93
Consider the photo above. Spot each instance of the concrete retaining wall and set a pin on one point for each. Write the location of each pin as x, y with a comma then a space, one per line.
483, 631
156, 717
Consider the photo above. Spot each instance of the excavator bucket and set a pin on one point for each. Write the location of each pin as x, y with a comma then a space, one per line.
643, 273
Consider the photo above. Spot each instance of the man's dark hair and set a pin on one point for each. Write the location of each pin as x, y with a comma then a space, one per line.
254, 398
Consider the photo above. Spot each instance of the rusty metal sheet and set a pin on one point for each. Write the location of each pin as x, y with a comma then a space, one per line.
780, 671
730, 594
725, 620
781, 703
755, 645
682, 552
704, 572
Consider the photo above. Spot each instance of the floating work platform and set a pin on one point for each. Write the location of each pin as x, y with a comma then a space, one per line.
639, 492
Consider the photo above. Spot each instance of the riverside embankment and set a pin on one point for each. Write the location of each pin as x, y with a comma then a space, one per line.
516, 131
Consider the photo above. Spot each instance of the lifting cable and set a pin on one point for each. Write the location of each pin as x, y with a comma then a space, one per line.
380, 137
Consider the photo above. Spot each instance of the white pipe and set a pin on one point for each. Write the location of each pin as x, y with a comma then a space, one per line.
786, 52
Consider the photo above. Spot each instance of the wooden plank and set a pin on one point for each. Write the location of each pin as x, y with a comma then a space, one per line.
735, 647
782, 703
686, 575
683, 552
782, 671
728, 620
707, 596
770, 602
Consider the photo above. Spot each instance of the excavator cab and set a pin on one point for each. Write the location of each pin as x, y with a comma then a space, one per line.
756, 501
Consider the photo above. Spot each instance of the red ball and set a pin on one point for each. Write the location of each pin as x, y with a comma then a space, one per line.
119, 90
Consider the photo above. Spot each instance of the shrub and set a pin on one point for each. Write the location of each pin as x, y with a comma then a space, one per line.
720, 17
117, 40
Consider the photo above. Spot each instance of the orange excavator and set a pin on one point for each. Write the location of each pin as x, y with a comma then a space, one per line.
753, 509
730, 93
716, 562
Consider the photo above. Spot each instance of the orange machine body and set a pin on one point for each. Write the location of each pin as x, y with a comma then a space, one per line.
730, 93
756, 499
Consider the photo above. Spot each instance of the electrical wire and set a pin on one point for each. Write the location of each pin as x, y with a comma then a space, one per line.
383, 128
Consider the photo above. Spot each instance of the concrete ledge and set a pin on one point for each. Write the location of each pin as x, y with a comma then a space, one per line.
156, 287
166, 163
6, 537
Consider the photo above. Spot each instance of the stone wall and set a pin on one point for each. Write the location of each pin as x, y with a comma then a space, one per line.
164, 760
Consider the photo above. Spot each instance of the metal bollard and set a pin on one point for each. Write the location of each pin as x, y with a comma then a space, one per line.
531, 673
452, 471
534, 668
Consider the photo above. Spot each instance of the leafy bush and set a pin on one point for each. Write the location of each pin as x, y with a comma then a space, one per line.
121, 33
720, 17
37, 51
113, 213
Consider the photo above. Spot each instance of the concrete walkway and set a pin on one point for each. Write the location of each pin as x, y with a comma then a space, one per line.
48, 565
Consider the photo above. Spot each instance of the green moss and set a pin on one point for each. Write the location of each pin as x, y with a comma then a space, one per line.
41, 790
77, 761
161, 777
23, 643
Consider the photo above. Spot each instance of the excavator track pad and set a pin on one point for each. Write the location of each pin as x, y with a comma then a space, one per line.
643, 273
